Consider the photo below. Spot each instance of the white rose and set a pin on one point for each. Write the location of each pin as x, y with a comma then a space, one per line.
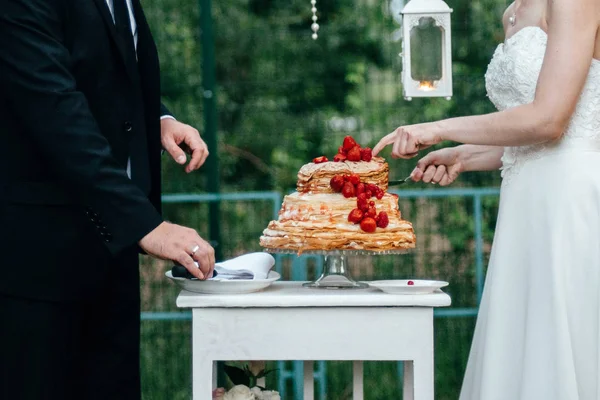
239, 392
257, 393
265, 394
270, 395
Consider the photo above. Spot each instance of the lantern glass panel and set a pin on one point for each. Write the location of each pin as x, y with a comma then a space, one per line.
426, 40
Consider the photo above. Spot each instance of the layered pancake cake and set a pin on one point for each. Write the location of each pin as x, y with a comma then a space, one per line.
341, 205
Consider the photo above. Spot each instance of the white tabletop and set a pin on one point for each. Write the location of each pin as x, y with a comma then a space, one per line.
292, 294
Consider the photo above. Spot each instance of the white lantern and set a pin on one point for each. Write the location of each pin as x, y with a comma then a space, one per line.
426, 49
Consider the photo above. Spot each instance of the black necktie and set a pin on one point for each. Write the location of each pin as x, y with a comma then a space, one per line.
140, 165
123, 25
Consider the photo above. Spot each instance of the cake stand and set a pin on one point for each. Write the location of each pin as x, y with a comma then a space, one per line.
335, 268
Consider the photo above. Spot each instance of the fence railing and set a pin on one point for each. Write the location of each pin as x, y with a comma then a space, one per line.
294, 375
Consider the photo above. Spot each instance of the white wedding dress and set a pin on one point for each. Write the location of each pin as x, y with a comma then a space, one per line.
538, 330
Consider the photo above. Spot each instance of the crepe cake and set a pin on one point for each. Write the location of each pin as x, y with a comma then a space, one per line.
341, 205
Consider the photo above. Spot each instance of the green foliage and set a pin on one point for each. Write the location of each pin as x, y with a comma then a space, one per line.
280, 92
243, 376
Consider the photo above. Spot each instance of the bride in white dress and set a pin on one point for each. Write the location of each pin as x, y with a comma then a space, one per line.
538, 330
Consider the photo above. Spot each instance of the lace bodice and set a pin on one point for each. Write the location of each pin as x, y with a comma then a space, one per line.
511, 80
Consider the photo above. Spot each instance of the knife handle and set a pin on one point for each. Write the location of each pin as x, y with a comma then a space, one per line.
179, 271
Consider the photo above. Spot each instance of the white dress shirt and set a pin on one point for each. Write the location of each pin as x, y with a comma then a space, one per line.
111, 7
134, 32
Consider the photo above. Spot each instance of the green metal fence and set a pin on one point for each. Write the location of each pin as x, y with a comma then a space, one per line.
427, 209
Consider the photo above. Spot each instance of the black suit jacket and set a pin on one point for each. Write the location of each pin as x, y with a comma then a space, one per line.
69, 107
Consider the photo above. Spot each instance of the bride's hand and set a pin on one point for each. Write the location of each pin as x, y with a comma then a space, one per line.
440, 166
408, 140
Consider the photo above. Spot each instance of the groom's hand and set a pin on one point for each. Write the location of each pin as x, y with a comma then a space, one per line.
182, 245
178, 138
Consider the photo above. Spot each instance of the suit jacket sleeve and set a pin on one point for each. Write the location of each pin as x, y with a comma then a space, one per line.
165, 111
43, 96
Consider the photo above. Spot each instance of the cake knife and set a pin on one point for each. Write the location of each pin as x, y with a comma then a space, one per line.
399, 182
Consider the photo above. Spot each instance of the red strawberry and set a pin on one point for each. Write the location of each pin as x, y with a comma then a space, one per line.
341, 150
368, 224
410, 283
372, 203
371, 212
362, 205
379, 194
366, 154
348, 190
337, 183
382, 219
354, 179
362, 202
320, 160
354, 154
355, 216
339, 158
373, 188
368, 193
349, 143
346, 177
360, 188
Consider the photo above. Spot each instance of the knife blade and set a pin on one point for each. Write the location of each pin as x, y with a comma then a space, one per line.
399, 182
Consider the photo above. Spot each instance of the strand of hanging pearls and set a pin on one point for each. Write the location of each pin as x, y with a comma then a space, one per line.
314, 26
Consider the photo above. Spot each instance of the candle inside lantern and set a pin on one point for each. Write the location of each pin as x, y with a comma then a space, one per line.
426, 85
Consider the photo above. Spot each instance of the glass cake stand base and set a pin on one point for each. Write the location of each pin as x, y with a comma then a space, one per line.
336, 275
335, 269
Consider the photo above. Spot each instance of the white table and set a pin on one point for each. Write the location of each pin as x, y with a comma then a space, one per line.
289, 322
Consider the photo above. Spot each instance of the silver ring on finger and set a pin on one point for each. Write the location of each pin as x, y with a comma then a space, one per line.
195, 249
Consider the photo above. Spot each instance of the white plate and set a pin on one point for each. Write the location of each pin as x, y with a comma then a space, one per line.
401, 286
238, 286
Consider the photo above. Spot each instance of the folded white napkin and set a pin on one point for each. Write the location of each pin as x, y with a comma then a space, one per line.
247, 266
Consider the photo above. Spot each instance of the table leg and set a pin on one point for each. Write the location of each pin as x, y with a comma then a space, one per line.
215, 374
357, 380
309, 380
409, 381
423, 379
204, 377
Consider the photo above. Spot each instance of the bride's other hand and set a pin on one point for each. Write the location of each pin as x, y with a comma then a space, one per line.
408, 140
440, 166
443, 166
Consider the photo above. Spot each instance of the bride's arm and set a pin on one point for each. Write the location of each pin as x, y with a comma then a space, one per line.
480, 157
570, 47
572, 28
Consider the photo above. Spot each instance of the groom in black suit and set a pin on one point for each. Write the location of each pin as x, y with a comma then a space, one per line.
82, 128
